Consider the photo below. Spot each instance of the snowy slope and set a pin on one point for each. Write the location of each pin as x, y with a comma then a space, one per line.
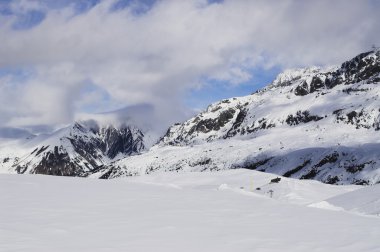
309, 123
363, 201
176, 212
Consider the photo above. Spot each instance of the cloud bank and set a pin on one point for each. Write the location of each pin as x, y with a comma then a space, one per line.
59, 62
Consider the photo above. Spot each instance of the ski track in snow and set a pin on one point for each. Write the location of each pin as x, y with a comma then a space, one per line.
208, 211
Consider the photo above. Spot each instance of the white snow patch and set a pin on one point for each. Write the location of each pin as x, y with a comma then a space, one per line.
363, 201
326, 205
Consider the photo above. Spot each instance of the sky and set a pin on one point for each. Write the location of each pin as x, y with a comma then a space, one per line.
63, 60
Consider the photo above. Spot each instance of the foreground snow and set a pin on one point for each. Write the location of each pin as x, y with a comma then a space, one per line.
209, 211
363, 201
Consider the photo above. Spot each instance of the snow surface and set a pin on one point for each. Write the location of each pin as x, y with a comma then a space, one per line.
364, 201
208, 211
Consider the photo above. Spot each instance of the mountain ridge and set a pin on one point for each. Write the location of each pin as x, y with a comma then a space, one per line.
312, 123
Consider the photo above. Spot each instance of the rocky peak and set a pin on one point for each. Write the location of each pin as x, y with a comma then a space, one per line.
80, 149
110, 140
291, 75
363, 68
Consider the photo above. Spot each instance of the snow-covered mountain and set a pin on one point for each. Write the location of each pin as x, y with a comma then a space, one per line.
348, 95
310, 123
77, 150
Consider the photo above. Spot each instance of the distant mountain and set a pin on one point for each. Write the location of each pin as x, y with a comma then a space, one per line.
310, 123
78, 150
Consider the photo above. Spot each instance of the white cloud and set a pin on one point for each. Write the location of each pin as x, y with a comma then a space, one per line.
157, 56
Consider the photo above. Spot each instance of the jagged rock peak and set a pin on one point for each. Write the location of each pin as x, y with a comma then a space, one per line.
112, 140
290, 75
80, 149
365, 67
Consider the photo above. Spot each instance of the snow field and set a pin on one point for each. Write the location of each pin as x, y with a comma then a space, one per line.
208, 211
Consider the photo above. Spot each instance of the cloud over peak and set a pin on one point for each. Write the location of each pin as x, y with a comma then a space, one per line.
117, 53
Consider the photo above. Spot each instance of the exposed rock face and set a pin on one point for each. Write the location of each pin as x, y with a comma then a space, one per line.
329, 165
364, 67
302, 117
57, 163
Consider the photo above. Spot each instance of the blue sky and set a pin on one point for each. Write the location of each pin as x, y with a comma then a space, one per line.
89, 56
214, 90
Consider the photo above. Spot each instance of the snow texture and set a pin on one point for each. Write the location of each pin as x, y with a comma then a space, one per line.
208, 211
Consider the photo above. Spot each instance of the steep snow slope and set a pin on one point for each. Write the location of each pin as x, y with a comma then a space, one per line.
309, 123
77, 150
175, 212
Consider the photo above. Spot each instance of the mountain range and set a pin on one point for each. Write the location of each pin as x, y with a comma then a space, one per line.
311, 123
